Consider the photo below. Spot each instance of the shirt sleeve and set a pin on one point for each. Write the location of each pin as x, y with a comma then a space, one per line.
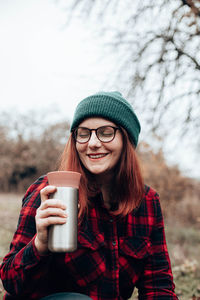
157, 280
23, 259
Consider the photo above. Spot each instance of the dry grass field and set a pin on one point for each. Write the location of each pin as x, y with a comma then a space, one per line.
9, 209
183, 244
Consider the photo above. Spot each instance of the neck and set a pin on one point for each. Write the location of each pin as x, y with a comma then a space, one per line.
106, 186
105, 183
106, 193
105, 179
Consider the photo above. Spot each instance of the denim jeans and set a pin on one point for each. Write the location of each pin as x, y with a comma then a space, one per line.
66, 296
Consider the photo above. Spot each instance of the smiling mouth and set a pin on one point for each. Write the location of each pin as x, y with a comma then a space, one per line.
96, 156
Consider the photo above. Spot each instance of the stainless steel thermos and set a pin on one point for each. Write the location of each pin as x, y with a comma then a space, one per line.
63, 238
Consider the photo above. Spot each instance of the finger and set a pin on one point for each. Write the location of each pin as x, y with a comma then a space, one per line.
52, 212
53, 220
53, 203
46, 191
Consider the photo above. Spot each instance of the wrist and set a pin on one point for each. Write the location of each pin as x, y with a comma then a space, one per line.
42, 249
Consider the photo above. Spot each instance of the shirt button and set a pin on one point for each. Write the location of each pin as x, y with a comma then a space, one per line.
111, 220
114, 243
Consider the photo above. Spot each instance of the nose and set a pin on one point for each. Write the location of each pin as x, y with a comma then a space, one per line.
94, 141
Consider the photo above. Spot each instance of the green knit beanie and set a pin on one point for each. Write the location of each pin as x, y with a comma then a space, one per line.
111, 106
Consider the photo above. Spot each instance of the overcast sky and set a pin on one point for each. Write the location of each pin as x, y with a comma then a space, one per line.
45, 63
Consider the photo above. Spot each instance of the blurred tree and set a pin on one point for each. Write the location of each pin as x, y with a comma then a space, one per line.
29, 147
158, 48
178, 194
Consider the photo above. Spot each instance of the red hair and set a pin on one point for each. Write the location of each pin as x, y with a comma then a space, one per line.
128, 184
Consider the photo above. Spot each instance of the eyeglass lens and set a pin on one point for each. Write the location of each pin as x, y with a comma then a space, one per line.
104, 134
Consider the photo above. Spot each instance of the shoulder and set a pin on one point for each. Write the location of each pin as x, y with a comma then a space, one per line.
38, 184
150, 193
150, 204
150, 197
33, 192
147, 218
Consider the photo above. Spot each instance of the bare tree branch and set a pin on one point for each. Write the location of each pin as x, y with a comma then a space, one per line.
158, 46
193, 6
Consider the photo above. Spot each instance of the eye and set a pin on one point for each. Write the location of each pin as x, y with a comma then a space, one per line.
82, 133
106, 131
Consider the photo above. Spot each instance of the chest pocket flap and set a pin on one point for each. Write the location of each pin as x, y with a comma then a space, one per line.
136, 247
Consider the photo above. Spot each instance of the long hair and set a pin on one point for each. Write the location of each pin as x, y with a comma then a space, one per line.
128, 183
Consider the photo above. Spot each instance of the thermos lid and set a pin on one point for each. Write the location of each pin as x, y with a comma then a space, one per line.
64, 179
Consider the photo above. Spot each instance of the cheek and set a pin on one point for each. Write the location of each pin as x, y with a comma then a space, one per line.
118, 155
81, 149
119, 147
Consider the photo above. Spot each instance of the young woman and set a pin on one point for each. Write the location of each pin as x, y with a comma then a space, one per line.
121, 240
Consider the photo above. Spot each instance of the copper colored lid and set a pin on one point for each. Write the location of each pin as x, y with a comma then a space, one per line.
64, 178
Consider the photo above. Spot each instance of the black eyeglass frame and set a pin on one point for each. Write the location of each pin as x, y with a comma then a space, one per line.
96, 132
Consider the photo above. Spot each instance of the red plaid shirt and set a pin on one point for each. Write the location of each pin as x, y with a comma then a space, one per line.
114, 255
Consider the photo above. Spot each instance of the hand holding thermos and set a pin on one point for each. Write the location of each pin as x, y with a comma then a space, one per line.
56, 218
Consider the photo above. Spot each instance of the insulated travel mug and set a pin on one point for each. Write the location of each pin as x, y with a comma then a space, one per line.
63, 238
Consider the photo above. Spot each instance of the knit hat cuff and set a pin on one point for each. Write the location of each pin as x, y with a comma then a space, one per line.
112, 107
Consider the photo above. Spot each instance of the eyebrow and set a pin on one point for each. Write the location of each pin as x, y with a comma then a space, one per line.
112, 125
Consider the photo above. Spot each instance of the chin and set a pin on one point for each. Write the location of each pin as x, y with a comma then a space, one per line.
103, 174
97, 172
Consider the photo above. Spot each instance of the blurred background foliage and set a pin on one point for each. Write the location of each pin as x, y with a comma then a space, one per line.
30, 149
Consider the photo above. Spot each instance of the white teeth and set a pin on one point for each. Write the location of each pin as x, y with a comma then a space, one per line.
96, 156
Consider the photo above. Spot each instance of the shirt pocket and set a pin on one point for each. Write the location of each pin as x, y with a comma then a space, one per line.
133, 253
135, 247
87, 263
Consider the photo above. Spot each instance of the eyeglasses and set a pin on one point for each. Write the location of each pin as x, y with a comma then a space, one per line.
104, 133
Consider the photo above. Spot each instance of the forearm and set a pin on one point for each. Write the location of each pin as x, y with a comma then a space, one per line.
157, 280
18, 268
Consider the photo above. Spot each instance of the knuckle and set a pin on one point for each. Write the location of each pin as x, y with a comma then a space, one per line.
37, 213
42, 191
44, 204
47, 189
